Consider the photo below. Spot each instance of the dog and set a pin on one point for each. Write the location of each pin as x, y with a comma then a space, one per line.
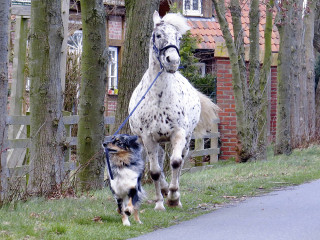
127, 168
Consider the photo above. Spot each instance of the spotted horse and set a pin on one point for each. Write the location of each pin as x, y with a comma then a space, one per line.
171, 110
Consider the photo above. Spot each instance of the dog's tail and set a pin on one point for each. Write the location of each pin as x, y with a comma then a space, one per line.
209, 113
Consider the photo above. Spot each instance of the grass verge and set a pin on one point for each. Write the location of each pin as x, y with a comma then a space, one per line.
93, 216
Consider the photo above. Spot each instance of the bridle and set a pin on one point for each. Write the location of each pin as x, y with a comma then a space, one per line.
162, 50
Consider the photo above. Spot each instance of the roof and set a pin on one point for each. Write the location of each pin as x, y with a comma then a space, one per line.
211, 35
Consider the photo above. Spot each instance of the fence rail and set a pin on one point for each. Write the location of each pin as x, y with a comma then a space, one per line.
24, 143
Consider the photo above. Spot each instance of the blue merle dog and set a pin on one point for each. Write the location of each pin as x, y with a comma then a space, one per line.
127, 167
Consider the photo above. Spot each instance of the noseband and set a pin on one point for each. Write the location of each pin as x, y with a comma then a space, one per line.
162, 50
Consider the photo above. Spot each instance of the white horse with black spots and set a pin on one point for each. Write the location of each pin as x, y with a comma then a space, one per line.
171, 110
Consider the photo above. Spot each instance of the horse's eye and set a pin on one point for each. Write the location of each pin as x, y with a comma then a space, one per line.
158, 36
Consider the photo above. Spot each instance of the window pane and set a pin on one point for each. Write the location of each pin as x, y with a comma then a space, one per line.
195, 5
187, 4
113, 70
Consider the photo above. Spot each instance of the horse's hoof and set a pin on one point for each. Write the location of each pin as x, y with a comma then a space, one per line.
159, 206
174, 203
164, 192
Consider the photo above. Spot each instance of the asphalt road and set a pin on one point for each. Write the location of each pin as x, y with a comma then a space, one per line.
290, 214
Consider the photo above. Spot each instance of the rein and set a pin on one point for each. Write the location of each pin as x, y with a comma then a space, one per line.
126, 120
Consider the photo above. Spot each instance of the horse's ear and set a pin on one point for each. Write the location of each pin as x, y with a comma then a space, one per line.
156, 18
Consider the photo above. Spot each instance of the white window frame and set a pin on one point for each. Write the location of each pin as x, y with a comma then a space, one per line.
113, 62
191, 11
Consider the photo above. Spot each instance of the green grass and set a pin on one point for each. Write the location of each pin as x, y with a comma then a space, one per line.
201, 192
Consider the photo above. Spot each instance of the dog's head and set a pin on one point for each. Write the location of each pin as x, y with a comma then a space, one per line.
122, 144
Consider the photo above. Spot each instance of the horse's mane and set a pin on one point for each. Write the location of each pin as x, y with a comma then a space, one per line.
177, 20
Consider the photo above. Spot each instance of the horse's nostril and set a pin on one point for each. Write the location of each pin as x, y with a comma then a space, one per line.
167, 59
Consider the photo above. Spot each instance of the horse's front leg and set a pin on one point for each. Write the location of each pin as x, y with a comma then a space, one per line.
178, 142
155, 170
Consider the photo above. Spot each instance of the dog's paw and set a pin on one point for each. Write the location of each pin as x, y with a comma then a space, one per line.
126, 223
125, 220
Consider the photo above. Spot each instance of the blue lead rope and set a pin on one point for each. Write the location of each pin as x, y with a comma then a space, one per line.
126, 120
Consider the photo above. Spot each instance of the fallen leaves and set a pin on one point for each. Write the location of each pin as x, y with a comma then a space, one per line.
97, 219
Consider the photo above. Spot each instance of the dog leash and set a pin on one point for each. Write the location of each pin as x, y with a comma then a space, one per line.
158, 52
126, 120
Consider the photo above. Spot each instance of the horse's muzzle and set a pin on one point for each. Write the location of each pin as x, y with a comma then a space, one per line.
171, 60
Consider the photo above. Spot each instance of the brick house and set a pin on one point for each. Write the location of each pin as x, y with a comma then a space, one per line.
214, 60
115, 26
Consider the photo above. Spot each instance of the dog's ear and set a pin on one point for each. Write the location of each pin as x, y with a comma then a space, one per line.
133, 141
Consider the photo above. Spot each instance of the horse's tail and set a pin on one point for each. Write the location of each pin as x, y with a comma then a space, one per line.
209, 113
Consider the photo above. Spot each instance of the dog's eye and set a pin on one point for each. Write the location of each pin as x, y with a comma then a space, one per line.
159, 36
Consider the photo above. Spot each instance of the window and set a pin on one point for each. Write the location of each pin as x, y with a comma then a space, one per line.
201, 69
75, 42
113, 71
192, 7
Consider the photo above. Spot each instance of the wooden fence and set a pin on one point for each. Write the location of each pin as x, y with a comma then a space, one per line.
18, 148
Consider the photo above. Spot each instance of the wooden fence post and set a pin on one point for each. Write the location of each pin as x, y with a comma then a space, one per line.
65, 4
214, 144
198, 145
18, 72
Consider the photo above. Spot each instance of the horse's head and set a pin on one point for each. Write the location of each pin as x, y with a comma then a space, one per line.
166, 39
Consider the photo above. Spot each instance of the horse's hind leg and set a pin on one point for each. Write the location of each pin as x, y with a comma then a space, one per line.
178, 142
155, 171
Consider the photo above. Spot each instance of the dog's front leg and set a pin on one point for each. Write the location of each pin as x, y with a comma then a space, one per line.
129, 208
125, 220
133, 197
119, 202
136, 216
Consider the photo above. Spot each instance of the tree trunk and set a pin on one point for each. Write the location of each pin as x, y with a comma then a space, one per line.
136, 52
316, 40
254, 103
92, 93
243, 150
307, 74
283, 134
47, 128
250, 99
4, 36
235, 10
296, 76
316, 44
265, 82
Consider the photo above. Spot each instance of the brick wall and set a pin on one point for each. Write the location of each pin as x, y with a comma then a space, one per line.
225, 100
111, 105
115, 27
